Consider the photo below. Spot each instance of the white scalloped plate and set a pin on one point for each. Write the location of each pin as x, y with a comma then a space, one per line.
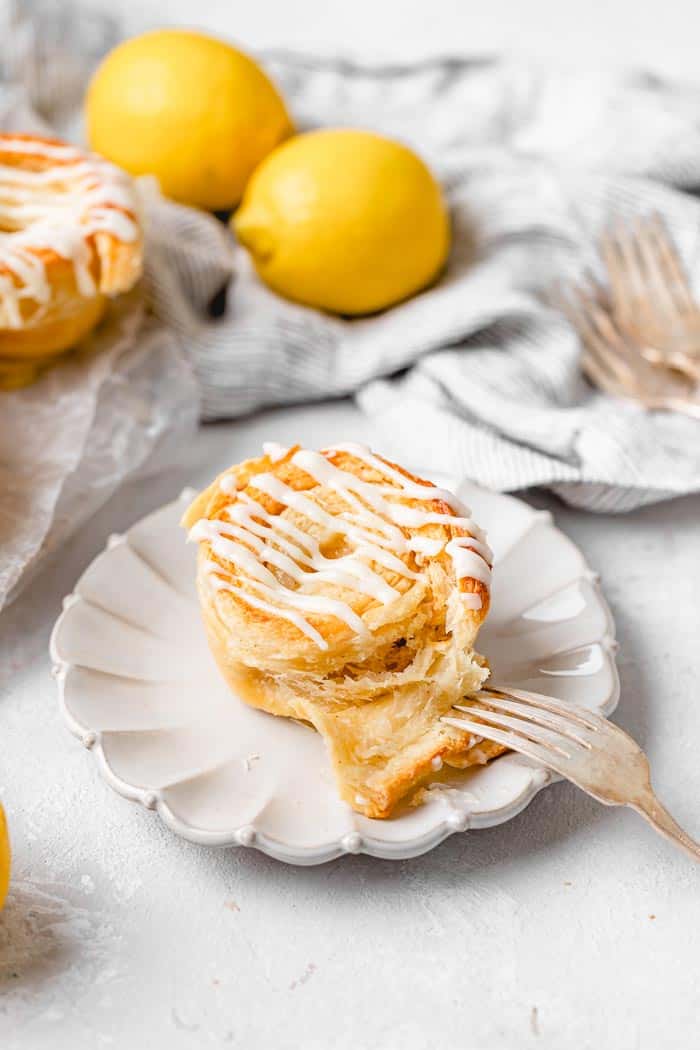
140, 689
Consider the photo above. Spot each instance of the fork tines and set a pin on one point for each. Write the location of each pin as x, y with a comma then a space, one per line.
534, 724
645, 271
641, 335
581, 745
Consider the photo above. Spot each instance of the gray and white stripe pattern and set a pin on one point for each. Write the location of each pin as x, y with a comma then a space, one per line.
476, 373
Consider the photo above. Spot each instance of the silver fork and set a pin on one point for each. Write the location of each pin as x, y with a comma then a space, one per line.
584, 747
613, 361
650, 295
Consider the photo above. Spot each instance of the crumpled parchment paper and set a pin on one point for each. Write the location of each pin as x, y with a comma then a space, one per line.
69, 440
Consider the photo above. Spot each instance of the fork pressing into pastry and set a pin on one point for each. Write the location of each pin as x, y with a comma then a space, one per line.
584, 747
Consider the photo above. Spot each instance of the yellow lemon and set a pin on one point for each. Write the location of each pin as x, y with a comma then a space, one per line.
344, 220
189, 109
4, 858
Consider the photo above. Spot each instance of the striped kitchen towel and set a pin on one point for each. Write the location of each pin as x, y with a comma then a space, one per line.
476, 373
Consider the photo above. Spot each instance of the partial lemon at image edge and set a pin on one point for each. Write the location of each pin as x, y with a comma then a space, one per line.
5, 857
344, 220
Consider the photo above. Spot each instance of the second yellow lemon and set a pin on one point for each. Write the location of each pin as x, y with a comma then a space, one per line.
344, 220
188, 108
4, 858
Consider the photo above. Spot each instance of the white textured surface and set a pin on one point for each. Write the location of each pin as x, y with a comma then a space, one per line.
142, 939
536, 934
651, 34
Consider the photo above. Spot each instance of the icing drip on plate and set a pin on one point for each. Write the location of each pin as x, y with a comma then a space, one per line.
251, 538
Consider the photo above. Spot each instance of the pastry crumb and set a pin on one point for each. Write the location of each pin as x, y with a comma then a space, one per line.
307, 974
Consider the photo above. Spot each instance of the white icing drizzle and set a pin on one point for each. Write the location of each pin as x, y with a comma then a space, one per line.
346, 571
273, 451
469, 559
37, 147
251, 538
427, 545
56, 209
368, 540
412, 489
257, 603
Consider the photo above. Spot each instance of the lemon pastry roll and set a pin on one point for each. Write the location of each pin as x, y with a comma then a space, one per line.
69, 239
338, 589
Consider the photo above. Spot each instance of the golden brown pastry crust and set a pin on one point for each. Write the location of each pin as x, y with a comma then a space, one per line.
376, 698
59, 206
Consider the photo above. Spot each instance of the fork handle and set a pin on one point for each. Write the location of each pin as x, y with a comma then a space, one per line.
649, 807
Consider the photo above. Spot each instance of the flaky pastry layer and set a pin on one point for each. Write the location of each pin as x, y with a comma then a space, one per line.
375, 695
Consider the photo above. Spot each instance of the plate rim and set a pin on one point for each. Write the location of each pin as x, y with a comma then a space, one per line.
351, 842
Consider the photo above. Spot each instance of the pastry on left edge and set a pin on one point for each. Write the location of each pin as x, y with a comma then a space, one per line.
341, 590
70, 239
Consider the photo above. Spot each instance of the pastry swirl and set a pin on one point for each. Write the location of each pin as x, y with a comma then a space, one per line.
69, 238
338, 589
